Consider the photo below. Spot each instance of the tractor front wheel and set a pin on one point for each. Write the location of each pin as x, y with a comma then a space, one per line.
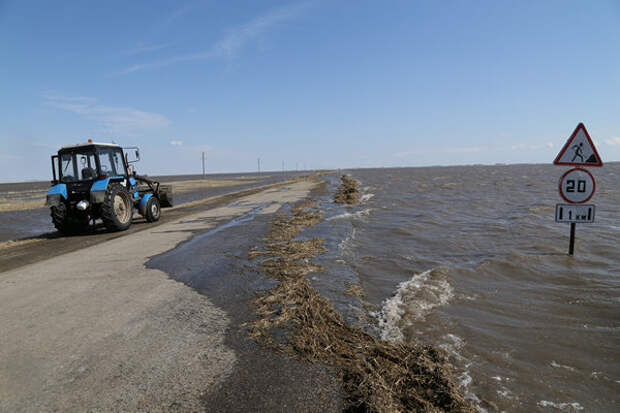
117, 208
153, 209
65, 222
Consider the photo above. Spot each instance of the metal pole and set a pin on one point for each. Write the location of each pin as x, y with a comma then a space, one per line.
203, 165
571, 245
259, 166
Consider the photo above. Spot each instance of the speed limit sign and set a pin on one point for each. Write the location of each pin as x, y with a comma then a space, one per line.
577, 186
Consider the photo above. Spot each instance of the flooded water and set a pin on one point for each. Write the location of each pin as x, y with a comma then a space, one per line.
469, 259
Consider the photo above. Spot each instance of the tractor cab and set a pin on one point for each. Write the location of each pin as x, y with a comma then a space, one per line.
94, 181
81, 163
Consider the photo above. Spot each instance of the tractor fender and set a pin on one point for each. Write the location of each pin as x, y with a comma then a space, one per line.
142, 204
56, 194
98, 188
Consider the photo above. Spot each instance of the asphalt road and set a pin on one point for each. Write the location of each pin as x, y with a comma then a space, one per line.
100, 326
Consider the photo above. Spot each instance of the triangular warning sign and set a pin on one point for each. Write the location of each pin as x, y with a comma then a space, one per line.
579, 150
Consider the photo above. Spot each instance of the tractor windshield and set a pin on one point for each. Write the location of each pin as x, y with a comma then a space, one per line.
111, 162
78, 166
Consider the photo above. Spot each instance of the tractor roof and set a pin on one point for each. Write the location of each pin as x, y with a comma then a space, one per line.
80, 145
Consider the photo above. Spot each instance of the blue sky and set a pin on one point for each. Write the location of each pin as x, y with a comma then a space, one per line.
320, 84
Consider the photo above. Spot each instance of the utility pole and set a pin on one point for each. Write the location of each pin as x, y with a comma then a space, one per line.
204, 158
259, 166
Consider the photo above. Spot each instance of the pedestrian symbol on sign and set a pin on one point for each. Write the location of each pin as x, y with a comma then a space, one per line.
578, 152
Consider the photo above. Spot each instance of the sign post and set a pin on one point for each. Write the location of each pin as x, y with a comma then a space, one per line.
571, 242
577, 185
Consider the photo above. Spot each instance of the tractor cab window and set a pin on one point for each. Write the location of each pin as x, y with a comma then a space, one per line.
111, 162
77, 166
67, 168
87, 167
105, 163
117, 160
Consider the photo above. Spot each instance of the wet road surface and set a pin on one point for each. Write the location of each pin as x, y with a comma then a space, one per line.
109, 327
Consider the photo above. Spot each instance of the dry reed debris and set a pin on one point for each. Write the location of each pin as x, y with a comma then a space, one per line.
294, 318
348, 192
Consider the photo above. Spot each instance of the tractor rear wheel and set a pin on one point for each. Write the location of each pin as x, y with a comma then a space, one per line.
117, 208
153, 210
64, 222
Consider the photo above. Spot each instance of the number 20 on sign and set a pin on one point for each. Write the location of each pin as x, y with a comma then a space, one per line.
577, 186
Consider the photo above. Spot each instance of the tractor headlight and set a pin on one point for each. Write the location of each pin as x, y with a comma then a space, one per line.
82, 205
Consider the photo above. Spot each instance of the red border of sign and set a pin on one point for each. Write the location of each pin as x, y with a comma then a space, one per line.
593, 186
567, 145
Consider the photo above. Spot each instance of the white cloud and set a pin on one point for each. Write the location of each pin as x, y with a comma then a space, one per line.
614, 140
178, 13
176, 143
117, 119
52, 95
235, 39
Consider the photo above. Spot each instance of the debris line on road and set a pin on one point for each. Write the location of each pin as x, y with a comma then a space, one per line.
294, 318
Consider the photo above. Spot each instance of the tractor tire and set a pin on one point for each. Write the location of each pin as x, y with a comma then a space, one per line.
65, 223
117, 208
153, 210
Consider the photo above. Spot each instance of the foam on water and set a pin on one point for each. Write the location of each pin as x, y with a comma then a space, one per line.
358, 214
563, 407
413, 300
562, 366
345, 245
452, 344
366, 197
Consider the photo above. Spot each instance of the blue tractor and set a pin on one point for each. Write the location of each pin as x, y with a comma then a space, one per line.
96, 181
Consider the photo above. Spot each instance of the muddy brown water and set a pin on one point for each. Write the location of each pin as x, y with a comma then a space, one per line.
469, 259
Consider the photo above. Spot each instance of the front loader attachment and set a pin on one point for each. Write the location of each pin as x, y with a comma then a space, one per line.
165, 196
162, 192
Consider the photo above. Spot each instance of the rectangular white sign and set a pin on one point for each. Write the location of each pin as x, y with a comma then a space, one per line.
574, 213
